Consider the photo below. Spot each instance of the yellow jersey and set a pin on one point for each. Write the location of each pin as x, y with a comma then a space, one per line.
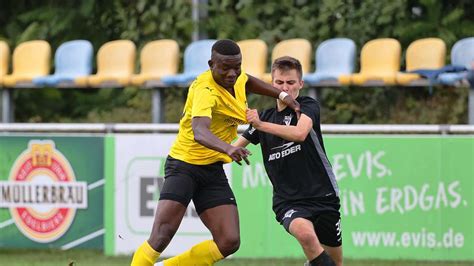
209, 99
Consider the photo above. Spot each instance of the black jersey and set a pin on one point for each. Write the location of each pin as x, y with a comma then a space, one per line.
297, 170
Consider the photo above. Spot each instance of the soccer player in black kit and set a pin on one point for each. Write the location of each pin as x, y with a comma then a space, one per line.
305, 192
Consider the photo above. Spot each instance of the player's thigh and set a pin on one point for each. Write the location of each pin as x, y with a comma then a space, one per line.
169, 213
222, 221
180, 181
297, 221
216, 205
289, 213
213, 188
328, 228
177, 191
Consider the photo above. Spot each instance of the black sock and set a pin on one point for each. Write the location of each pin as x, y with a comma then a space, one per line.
322, 260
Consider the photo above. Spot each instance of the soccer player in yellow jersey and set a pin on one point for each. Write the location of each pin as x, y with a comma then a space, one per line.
216, 104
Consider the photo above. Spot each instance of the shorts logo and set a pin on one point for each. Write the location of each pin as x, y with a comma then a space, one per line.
339, 231
42, 193
289, 213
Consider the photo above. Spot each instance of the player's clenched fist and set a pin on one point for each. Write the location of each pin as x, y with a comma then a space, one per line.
253, 118
293, 104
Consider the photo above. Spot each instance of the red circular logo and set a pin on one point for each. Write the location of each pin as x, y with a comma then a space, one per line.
42, 192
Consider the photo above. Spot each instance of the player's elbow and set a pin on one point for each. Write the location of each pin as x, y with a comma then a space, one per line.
299, 136
198, 137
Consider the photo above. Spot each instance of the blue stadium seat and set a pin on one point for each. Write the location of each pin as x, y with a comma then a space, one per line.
196, 56
72, 59
462, 56
334, 57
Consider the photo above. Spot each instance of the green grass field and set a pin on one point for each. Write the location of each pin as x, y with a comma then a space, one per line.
95, 258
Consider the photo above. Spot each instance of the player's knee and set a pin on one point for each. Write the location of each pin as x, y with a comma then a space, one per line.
229, 245
306, 238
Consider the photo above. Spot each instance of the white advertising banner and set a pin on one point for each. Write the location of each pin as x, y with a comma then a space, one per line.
139, 176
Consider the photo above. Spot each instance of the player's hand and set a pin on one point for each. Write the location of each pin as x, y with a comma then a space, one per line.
238, 153
253, 118
293, 104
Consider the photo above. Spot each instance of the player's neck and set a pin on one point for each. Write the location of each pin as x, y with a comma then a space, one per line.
280, 106
231, 91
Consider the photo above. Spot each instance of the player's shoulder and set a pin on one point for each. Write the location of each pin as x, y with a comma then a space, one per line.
203, 86
243, 75
307, 100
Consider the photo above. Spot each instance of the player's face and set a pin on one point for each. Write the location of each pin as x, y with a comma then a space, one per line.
225, 69
287, 81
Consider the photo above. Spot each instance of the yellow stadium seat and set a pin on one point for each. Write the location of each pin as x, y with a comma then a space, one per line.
428, 53
297, 48
157, 58
115, 65
30, 60
379, 63
4, 58
254, 56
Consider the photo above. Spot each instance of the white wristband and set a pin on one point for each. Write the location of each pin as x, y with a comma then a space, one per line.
282, 95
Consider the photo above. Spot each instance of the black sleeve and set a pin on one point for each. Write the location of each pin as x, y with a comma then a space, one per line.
252, 135
310, 107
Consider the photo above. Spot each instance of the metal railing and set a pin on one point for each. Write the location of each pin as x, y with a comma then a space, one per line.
173, 128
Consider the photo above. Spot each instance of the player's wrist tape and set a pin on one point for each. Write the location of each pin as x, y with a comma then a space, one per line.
282, 95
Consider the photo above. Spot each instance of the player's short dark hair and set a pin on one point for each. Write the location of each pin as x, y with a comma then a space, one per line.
287, 63
226, 47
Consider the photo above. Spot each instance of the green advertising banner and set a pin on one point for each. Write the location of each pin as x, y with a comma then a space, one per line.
51, 192
407, 197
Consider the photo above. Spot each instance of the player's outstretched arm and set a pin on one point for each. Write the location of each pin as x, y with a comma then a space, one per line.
255, 85
204, 136
296, 133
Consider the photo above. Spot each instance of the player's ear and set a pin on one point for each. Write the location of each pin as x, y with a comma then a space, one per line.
210, 63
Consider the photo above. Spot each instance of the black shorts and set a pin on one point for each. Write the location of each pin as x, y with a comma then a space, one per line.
206, 185
327, 223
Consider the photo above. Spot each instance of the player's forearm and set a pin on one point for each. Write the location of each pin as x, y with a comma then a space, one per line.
204, 136
241, 142
257, 86
290, 133
209, 140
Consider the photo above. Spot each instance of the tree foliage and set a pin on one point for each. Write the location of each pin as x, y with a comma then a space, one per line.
272, 21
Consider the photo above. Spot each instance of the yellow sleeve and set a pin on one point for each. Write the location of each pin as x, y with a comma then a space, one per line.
203, 102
